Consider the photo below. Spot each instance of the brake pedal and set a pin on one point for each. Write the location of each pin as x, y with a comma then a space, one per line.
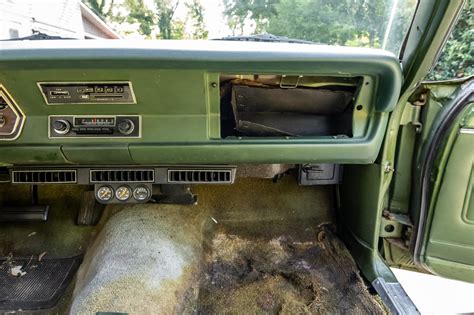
32, 213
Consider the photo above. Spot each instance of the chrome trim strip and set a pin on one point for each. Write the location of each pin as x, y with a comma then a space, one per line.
469, 131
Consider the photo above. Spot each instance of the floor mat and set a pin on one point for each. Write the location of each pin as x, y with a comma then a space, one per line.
283, 275
35, 282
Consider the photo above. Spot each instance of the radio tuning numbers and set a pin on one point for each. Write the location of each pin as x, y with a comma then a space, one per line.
94, 127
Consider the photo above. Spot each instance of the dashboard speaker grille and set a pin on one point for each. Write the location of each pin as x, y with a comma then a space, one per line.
44, 177
121, 176
200, 176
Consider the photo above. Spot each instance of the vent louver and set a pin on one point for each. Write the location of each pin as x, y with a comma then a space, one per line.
44, 177
200, 176
122, 176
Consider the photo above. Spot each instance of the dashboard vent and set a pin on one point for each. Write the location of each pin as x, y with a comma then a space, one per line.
120, 176
200, 176
44, 177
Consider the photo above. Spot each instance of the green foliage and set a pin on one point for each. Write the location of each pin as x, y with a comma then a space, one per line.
359, 23
457, 58
155, 19
344, 22
196, 18
101, 7
252, 13
139, 13
160, 15
164, 10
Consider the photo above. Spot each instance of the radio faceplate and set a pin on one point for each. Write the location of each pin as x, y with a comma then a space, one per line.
90, 126
61, 93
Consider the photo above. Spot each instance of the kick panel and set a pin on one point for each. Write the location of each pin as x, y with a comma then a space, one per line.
87, 93
85, 126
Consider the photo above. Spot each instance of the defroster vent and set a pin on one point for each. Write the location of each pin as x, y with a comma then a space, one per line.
220, 176
44, 177
122, 176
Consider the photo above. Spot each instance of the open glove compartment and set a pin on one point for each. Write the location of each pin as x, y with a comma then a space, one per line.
267, 106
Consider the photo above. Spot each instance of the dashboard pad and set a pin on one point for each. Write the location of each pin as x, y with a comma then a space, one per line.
195, 102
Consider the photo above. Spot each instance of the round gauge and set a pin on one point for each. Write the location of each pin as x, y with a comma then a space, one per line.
123, 193
105, 193
141, 193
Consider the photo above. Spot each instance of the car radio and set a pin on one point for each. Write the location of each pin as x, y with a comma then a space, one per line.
63, 93
103, 126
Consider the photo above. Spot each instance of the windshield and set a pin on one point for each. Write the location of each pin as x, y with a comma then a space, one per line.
362, 23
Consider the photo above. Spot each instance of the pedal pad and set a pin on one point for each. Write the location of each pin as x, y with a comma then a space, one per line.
32, 213
90, 210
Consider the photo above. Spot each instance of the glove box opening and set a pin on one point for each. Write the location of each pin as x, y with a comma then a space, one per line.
282, 106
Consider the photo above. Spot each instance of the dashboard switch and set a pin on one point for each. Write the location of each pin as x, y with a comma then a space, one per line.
126, 126
61, 126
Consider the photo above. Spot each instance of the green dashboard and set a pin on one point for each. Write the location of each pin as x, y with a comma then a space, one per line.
179, 95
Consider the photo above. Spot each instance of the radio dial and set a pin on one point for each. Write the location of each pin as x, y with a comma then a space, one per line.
126, 127
61, 126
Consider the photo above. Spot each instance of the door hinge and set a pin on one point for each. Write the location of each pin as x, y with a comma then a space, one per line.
411, 116
395, 226
399, 217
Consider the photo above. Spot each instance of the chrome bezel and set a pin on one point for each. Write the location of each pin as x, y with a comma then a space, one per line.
129, 196
132, 93
105, 200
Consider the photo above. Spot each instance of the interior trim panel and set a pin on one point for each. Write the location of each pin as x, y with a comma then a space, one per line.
183, 96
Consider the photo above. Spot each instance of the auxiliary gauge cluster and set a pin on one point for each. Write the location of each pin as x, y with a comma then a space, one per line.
123, 193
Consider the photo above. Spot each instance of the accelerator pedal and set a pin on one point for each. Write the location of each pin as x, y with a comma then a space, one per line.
33, 283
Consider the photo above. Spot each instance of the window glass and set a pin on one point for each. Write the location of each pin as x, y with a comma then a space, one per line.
457, 58
362, 23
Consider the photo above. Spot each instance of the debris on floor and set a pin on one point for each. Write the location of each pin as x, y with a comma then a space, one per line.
40, 256
283, 275
17, 271
27, 284
13, 268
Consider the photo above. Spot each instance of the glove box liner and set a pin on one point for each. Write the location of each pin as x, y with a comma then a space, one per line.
256, 111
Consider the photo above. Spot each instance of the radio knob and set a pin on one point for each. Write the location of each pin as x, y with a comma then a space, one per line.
61, 126
126, 127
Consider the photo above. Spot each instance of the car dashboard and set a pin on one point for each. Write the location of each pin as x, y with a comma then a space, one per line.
109, 113
177, 102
